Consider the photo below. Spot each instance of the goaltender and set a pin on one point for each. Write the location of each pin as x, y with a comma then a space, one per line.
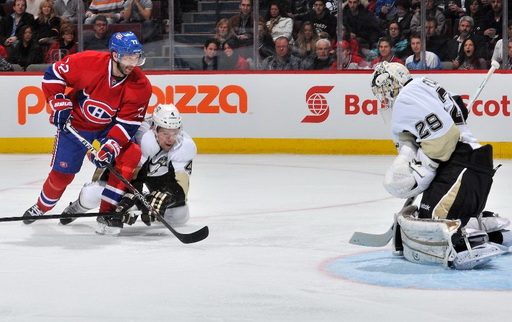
439, 158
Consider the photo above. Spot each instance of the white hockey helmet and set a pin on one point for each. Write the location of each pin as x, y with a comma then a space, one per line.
167, 116
388, 79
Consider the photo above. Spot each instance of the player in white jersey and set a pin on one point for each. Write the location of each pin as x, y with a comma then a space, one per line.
438, 155
165, 169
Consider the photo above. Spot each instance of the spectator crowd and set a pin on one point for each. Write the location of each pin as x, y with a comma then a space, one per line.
290, 34
302, 35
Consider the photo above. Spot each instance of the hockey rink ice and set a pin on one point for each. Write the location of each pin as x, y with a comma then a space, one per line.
278, 251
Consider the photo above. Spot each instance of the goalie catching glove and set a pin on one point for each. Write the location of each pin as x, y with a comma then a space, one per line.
61, 110
410, 174
160, 201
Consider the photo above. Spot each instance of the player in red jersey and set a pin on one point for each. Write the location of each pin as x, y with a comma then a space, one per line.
107, 102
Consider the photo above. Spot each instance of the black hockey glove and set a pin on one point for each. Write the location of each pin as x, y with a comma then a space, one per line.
160, 201
128, 206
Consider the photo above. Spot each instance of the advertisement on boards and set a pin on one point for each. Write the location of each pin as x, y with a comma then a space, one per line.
287, 106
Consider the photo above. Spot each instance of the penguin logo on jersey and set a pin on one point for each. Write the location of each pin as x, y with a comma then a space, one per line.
317, 104
154, 166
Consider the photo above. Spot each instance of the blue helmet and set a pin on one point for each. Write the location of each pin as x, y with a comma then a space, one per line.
126, 43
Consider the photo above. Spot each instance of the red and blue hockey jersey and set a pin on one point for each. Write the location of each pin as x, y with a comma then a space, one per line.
99, 98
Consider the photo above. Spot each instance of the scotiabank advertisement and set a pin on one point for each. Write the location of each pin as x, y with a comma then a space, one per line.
262, 105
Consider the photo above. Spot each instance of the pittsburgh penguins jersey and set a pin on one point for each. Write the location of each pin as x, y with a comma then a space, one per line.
161, 170
425, 114
100, 99
179, 156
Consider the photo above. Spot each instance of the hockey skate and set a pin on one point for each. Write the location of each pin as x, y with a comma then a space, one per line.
74, 208
479, 250
477, 256
32, 211
109, 226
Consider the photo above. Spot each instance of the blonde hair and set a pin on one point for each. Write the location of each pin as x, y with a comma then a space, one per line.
40, 16
231, 32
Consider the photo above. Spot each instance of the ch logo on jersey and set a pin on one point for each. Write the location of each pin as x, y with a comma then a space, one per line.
97, 112
317, 104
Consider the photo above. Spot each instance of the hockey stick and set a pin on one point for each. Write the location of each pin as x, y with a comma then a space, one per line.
377, 240
184, 238
494, 65
61, 216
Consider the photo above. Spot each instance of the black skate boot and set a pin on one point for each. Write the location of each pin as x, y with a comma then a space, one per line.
108, 225
31, 212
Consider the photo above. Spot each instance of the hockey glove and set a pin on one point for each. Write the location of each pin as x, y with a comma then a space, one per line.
160, 201
61, 106
424, 170
108, 151
128, 206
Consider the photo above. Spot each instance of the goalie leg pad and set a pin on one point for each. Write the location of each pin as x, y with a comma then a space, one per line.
427, 241
409, 211
488, 222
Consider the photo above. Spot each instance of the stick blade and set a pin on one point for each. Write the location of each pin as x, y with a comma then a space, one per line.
371, 240
194, 237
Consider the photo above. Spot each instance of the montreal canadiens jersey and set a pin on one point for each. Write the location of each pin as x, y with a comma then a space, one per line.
99, 98
427, 113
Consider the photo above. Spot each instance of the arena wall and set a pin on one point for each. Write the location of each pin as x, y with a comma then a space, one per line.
261, 112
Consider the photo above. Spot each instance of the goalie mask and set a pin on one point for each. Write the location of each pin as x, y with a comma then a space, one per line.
387, 81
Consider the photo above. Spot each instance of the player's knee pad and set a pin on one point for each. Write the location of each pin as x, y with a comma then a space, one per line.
177, 216
90, 195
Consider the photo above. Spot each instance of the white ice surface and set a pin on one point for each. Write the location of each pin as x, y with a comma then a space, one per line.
275, 221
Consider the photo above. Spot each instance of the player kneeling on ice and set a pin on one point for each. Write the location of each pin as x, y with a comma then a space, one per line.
165, 169
439, 158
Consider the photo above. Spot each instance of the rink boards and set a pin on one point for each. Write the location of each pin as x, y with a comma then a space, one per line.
295, 112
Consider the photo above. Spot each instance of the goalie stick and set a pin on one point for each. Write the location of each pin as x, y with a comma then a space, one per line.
377, 240
494, 65
184, 238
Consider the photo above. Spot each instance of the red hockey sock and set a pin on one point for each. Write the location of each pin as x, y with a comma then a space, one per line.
126, 163
53, 188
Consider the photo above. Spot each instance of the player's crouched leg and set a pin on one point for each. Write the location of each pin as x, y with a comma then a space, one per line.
177, 216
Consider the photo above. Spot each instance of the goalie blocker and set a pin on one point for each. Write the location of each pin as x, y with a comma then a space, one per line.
430, 241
